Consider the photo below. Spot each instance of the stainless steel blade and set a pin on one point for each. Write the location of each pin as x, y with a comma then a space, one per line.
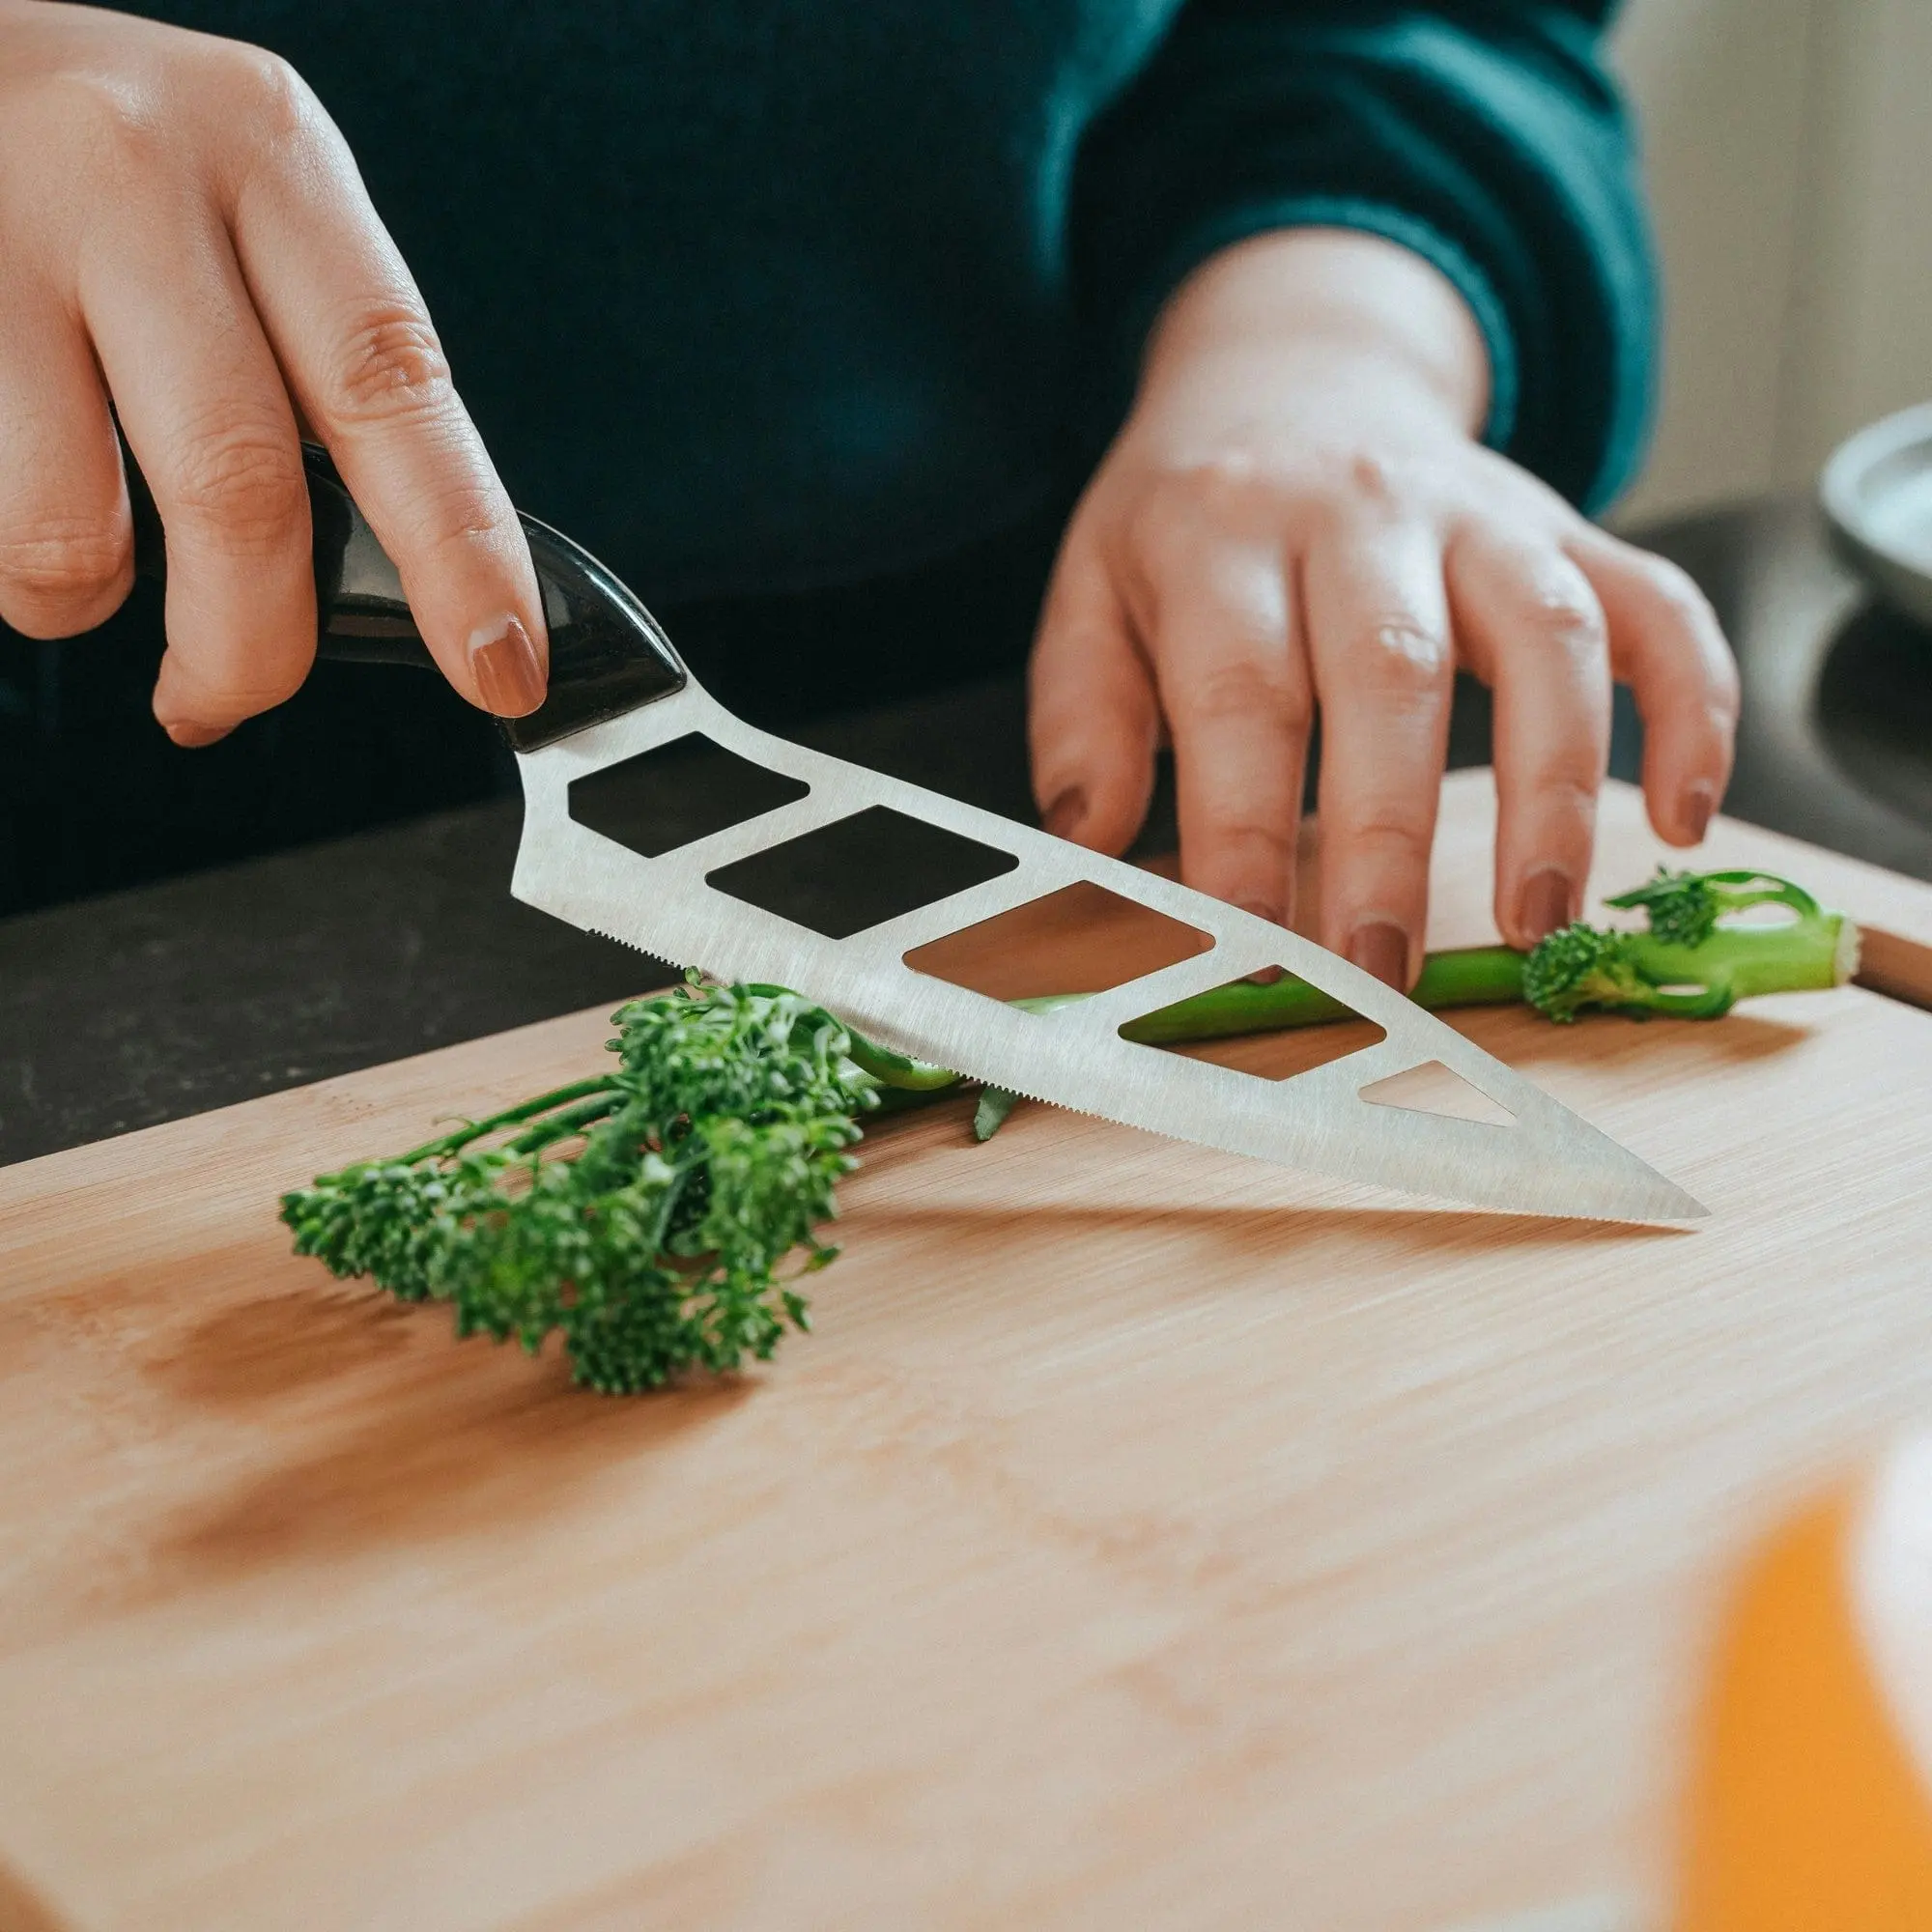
618, 690
1548, 1162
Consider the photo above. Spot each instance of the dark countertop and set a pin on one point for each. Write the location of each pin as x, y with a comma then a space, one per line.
120, 1012
140, 1007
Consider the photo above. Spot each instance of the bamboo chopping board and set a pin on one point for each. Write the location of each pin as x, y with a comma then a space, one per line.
1145, 1538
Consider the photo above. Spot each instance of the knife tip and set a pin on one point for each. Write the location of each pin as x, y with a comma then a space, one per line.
1657, 1198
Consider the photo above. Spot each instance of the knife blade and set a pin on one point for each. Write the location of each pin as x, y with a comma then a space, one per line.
618, 691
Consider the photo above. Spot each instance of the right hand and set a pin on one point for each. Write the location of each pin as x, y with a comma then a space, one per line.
185, 236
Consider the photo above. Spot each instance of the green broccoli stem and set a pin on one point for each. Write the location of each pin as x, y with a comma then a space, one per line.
893, 1071
1469, 975
1700, 954
1473, 976
897, 1072
459, 1138
1738, 961
990, 1115
562, 1126
1684, 981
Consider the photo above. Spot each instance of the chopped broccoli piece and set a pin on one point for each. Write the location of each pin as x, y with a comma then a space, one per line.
1579, 967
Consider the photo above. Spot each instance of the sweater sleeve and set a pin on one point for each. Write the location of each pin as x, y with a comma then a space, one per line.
1484, 134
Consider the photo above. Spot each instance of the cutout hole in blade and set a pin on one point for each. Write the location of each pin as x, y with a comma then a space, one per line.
677, 794
1081, 939
860, 871
1273, 1025
1435, 1089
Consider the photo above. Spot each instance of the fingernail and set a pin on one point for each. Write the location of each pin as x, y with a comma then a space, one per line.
505, 664
1067, 813
1381, 948
1694, 809
192, 737
1545, 901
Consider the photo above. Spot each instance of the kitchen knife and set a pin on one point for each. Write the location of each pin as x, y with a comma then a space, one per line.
618, 691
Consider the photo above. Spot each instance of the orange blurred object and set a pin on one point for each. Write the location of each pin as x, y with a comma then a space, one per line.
1811, 1800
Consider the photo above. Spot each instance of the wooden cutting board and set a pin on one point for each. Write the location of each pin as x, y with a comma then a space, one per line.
1145, 1538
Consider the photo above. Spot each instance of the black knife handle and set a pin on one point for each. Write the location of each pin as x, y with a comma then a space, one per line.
608, 654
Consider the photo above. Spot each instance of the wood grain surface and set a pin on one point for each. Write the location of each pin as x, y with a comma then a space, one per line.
1145, 1538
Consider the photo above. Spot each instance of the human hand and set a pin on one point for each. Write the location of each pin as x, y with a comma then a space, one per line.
1296, 515
185, 236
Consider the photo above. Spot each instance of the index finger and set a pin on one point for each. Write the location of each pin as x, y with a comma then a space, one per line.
364, 365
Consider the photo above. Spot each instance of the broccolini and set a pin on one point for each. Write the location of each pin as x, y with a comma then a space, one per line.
703, 1158
1688, 961
644, 1213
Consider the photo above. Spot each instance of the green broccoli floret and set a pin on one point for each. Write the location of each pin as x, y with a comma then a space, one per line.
1682, 908
644, 1214
1688, 961
1577, 968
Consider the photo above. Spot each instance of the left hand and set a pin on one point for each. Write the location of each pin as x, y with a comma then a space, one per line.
1297, 514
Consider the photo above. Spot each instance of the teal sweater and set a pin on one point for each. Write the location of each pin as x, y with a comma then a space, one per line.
751, 296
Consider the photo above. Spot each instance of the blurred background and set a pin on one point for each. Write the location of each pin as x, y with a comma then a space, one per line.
1789, 150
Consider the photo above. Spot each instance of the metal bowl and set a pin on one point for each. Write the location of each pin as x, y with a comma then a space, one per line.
1877, 494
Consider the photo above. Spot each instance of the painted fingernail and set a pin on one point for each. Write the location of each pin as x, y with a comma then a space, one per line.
1694, 809
1066, 815
504, 662
1545, 900
1381, 948
192, 737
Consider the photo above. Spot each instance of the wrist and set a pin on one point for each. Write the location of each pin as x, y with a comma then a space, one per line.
1330, 322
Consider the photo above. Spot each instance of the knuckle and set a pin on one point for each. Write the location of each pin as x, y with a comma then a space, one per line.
1245, 846
1400, 657
467, 514
54, 566
1564, 788
1684, 604
244, 480
391, 366
1228, 489
1372, 479
1230, 474
1561, 618
1716, 724
463, 521
1346, 487
1246, 689
1334, 496
272, 95
109, 117
1389, 840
